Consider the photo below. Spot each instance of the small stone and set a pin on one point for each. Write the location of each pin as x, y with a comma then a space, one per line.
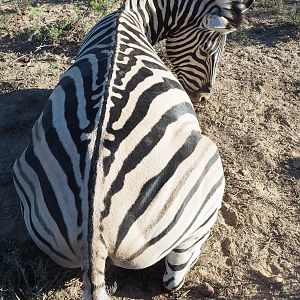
206, 290
228, 262
244, 172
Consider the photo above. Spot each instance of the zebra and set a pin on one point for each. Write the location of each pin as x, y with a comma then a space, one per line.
117, 166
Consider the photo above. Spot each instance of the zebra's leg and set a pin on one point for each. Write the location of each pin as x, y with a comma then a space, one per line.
94, 276
180, 260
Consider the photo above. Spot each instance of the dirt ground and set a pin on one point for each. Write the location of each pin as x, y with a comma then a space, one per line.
254, 118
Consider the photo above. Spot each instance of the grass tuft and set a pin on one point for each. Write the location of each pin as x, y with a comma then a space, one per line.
102, 6
71, 28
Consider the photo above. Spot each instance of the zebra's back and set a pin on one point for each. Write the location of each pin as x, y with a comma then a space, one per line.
157, 167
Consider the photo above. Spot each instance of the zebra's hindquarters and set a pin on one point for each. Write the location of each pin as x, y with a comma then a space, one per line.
176, 205
48, 225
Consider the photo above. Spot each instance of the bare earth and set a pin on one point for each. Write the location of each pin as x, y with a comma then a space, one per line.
254, 118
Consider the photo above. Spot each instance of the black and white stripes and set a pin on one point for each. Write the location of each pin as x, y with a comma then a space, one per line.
116, 165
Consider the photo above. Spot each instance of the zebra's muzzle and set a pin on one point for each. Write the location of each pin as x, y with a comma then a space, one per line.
201, 95
198, 97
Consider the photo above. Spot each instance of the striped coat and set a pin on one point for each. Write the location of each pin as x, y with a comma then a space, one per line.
117, 165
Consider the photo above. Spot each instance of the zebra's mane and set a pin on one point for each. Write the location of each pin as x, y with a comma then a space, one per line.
232, 10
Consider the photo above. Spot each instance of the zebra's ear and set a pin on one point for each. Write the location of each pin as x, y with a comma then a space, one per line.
217, 23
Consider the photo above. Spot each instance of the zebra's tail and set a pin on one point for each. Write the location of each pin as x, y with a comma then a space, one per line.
93, 260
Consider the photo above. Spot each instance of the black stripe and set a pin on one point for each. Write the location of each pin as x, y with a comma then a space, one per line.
22, 208
48, 193
80, 235
179, 267
36, 233
172, 279
169, 281
154, 185
33, 191
71, 118
182, 250
154, 65
140, 111
180, 211
63, 158
86, 70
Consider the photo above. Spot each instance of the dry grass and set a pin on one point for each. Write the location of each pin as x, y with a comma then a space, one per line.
28, 274
286, 11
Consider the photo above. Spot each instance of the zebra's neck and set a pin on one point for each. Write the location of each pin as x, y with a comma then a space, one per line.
153, 17
160, 19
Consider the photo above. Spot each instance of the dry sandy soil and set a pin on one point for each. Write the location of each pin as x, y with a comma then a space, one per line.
253, 116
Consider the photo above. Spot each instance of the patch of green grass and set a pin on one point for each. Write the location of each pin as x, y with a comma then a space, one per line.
71, 28
102, 6
54, 32
51, 32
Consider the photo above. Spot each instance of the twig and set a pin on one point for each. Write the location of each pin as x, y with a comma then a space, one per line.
40, 47
19, 58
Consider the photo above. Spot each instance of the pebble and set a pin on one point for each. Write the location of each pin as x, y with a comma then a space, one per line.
206, 290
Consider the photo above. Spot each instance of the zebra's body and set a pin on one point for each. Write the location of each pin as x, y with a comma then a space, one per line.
117, 165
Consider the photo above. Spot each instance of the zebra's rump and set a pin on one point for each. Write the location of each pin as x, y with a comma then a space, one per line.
171, 195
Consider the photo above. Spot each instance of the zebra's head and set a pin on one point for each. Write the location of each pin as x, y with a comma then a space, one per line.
194, 46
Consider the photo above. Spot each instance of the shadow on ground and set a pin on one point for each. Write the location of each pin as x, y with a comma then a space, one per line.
267, 34
18, 112
30, 274
21, 44
294, 167
141, 284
